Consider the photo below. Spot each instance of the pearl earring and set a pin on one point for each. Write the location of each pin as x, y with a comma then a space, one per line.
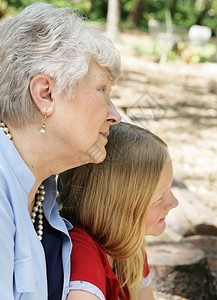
42, 130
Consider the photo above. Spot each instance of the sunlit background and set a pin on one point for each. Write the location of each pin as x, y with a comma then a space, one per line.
168, 83
169, 75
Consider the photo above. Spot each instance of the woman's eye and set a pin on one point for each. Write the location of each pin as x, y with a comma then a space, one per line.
103, 89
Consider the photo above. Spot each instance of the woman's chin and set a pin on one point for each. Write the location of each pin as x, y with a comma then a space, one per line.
97, 154
100, 158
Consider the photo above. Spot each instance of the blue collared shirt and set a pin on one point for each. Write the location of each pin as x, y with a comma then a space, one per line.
22, 258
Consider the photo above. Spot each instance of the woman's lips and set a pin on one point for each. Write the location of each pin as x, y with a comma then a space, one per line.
105, 134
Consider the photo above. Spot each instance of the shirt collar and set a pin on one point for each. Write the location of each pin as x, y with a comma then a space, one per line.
17, 164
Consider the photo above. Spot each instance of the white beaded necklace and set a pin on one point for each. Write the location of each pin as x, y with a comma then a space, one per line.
5, 129
40, 195
38, 208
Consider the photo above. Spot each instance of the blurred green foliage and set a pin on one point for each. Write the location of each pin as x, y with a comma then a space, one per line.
184, 12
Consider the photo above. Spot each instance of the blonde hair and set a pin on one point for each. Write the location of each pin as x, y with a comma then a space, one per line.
111, 200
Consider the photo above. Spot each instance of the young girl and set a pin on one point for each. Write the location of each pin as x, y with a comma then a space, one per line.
112, 206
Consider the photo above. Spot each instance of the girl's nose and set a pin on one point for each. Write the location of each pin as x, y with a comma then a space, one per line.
172, 202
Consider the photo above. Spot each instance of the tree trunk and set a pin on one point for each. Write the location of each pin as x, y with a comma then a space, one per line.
163, 296
180, 269
202, 9
137, 12
113, 19
208, 244
173, 7
91, 5
200, 17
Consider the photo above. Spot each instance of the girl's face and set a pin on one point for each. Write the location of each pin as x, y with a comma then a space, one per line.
163, 202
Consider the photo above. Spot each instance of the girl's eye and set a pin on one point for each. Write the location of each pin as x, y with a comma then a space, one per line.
157, 201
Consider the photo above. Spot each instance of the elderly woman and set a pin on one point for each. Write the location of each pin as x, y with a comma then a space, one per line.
55, 112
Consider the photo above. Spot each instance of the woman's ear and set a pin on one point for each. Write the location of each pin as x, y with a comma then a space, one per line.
41, 88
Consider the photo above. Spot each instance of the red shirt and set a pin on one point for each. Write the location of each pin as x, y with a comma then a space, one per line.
89, 263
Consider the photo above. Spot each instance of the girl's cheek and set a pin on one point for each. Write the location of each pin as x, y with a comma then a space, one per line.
154, 215
151, 219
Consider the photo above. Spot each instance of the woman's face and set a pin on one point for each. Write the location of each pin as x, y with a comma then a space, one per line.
85, 119
163, 202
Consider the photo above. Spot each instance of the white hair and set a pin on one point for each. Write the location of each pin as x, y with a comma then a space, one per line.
53, 41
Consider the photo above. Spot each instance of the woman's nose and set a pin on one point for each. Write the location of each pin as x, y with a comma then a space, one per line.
113, 116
